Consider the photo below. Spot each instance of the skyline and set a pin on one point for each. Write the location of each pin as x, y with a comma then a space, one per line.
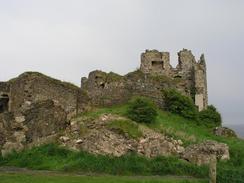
68, 39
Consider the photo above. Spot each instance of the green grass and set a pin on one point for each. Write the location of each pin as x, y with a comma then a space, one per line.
126, 127
52, 157
46, 178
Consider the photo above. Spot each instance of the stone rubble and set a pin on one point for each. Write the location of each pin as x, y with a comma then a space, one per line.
201, 153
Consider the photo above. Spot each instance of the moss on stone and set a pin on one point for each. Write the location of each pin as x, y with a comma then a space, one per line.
137, 74
113, 77
40, 75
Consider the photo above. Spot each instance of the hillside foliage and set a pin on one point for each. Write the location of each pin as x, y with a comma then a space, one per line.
177, 103
142, 110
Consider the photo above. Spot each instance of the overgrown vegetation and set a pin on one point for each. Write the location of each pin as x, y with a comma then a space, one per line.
210, 117
177, 103
126, 127
182, 105
52, 157
142, 110
191, 132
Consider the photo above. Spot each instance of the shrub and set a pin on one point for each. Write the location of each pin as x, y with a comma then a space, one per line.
141, 109
177, 103
210, 116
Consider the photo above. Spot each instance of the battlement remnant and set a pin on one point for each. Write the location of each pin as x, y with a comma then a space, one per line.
193, 72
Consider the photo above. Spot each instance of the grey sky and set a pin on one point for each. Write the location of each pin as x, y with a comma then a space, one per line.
68, 38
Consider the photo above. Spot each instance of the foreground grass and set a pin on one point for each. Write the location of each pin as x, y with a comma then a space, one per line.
41, 178
52, 157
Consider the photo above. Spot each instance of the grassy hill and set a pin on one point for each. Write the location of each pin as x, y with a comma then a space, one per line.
52, 157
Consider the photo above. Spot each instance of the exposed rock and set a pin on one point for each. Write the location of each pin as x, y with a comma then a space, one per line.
64, 139
201, 153
79, 141
44, 119
20, 136
29, 127
20, 119
11, 146
154, 144
224, 132
100, 139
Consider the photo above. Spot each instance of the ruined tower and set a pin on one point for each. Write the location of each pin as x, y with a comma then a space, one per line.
155, 62
192, 73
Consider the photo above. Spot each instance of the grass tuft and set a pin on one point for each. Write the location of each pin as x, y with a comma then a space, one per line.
126, 127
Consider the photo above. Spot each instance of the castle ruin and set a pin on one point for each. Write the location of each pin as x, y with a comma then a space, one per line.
188, 69
34, 108
106, 89
155, 74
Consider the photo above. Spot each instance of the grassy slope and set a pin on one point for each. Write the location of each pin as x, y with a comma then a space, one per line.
53, 158
191, 132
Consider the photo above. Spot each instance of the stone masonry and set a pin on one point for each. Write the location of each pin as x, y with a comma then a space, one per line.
25, 96
192, 72
154, 75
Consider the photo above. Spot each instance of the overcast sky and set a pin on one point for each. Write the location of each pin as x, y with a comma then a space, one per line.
67, 39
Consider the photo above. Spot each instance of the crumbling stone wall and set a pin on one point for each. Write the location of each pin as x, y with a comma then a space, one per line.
201, 93
106, 89
154, 75
31, 87
4, 96
27, 127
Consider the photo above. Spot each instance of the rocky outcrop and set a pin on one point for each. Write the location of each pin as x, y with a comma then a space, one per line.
153, 144
224, 132
96, 137
202, 153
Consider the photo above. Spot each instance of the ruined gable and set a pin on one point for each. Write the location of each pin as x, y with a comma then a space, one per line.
32, 87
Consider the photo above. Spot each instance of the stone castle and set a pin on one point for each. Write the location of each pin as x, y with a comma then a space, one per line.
34, 107
154, 75
106, 89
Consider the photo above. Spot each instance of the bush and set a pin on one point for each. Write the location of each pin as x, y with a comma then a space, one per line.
177, 103
210, 116
142, 109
